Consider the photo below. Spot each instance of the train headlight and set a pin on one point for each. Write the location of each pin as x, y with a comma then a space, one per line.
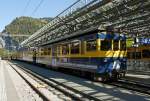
124, 59
105, 60
116, 65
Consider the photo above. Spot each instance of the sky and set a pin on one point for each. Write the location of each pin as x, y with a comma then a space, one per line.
10, 9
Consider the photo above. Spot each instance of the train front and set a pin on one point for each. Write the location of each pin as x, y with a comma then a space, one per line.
112, 64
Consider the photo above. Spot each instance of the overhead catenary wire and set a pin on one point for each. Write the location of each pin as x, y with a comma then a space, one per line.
37, 7
26, 7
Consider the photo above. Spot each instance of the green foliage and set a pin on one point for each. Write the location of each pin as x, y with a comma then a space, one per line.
3, 52
25, 26
129, 42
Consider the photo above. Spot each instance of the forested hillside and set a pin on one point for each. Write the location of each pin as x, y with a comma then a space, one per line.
25, 26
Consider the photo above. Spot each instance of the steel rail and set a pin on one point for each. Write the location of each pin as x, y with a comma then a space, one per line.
132, 85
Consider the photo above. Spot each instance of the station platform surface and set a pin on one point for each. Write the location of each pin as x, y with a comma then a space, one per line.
7, 89
143, 78
13, 87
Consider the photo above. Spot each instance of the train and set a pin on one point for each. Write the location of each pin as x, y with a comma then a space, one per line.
139, 58
99, 54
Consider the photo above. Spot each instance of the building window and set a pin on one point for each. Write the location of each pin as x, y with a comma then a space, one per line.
136, 55
116, 45
75, 48
106, 45
129, 55
91, 45
146, 53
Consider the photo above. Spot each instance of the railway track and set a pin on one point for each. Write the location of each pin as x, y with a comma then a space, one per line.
41, 95
132, 85
66, 90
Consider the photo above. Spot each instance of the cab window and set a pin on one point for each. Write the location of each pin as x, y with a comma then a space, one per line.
91, 45
122, 45
116, 45
106, 45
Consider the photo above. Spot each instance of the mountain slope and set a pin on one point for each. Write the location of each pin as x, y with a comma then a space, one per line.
25, 26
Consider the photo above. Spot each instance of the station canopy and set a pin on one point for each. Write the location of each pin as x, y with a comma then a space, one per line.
127, 16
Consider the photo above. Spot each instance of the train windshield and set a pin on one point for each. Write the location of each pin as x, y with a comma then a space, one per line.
106, 45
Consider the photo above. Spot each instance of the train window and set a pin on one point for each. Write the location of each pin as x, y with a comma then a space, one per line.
42, 51
54, 51
106, 45
34, 53
75, 48
45, 51
48, 51
65, 49
146, 53
91, 45
116, 45
122, 45
58, 50
39, 52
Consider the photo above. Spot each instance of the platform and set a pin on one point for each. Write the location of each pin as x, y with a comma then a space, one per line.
7, 89
13, 87
144, 78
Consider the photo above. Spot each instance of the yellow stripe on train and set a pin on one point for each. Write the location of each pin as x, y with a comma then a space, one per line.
99, 54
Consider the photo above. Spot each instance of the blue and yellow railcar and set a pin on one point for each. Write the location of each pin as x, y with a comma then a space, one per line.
100, 54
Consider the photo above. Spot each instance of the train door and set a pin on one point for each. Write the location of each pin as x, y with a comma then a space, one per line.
34, 55
50, 55
54, 56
